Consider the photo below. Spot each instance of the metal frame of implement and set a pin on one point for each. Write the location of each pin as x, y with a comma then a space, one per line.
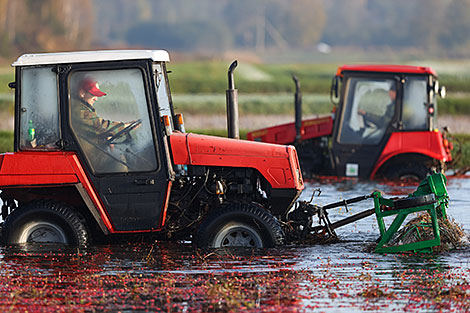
431, 196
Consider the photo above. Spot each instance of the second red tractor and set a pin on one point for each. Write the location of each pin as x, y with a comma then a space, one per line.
384, 125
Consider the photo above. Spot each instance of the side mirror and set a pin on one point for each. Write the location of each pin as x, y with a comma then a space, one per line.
442, 92
334, 90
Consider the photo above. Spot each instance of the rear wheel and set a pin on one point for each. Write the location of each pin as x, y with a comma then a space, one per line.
407, 172
45, 222
239, 225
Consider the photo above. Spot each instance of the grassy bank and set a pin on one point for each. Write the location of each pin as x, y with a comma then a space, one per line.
7, 75
6, 141
211, 77
455, 105
263, 104
278, 103
461, 143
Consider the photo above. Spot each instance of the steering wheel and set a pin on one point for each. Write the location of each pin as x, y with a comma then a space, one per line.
125, 131
368, 122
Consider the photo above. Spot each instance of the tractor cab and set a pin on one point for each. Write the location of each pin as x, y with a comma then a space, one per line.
105, 112
378, 103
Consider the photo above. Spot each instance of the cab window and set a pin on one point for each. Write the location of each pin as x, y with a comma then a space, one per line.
109, 117
368, 110
415, 112
39, 109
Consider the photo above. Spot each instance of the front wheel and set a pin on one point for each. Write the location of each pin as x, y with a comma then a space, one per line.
239, 225
45, 222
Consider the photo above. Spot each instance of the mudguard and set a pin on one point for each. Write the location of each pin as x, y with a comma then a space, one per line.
50, 169
429, 143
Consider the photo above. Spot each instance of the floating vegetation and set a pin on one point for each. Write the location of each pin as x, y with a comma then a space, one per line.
420, 229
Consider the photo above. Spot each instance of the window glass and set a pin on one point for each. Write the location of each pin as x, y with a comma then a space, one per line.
368, 110
415, 114
39, 119
110, 119
162, 92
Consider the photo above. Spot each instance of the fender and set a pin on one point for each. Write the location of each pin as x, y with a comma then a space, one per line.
429, 143
29, 169
56, 169
278, 164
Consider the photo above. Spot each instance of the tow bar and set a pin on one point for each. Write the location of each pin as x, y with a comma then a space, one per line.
430, 197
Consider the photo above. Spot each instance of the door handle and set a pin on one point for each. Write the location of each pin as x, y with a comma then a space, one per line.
145, 181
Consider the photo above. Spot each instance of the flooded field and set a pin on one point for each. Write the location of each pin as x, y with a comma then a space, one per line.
174, 277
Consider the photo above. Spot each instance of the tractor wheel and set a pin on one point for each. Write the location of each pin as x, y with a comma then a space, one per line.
407, 172
239, 225
45, 222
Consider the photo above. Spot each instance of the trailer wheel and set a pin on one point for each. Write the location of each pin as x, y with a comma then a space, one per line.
239, 225
45, 222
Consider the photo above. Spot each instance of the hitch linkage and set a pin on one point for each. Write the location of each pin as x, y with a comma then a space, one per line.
301, 218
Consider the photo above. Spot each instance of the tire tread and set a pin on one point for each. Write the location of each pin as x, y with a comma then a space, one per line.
71, 217
252, 210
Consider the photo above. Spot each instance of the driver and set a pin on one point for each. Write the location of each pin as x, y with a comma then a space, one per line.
93, 131
93, 125
382, 120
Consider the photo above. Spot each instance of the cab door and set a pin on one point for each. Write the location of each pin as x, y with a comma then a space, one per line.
115, 138
367, 115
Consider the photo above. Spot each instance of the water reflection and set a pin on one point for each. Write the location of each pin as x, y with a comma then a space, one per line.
174, 277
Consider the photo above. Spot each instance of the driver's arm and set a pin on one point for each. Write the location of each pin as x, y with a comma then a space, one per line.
100, 125
374, 118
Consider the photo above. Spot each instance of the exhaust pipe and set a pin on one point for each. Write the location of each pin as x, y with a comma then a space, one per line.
298, 109
232, 104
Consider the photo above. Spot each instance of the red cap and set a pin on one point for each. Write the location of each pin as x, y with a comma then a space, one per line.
90, 85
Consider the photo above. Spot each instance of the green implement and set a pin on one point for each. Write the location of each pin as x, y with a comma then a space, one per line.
431, 197
420, 234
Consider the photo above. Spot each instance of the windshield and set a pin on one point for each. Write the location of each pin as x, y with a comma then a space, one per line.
368, 109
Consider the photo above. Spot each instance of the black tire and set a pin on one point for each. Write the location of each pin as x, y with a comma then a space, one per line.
45, 222
407, 172
239, 225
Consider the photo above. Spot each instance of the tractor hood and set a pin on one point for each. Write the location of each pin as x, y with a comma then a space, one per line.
278, 164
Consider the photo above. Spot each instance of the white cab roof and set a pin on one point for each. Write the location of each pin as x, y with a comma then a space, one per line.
90, 56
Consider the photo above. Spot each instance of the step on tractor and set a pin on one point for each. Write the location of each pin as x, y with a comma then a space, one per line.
99, 153
383, 126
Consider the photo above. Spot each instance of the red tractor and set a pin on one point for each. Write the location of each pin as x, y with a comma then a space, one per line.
124, 165
383, 125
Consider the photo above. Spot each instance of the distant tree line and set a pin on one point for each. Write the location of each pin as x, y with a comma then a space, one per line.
45, 25
218, 25
425, 24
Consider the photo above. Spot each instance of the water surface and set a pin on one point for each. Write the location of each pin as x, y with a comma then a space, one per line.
174, 277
